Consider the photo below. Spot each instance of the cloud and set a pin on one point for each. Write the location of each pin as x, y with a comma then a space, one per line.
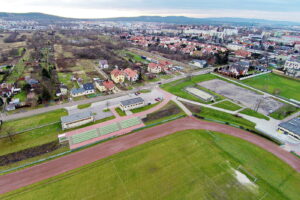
267, 9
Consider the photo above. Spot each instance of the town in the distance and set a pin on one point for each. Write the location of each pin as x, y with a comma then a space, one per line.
148, 108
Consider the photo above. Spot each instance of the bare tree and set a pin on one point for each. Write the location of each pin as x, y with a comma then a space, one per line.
9, 131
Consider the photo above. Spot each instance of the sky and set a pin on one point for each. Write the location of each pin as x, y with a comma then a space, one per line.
286, 10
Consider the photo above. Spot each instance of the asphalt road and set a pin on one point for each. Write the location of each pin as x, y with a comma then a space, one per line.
5, 117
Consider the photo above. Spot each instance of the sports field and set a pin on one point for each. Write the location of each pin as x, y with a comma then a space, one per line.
276, 84
191, 164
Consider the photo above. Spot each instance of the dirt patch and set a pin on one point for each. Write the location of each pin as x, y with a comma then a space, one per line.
28, 153
169, 110
192, 107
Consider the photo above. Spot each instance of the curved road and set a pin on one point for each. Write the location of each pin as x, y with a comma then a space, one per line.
63, 164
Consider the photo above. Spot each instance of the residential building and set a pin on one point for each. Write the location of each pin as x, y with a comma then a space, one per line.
199, 63
154, 68
77, 92
104, 86
242, 53
103, 64
132, 103
89, 88
117, 76
291, 127
131, 75
76, 120
292, 67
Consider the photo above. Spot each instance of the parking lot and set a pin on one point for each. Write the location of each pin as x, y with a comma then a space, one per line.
98, 107
248, 98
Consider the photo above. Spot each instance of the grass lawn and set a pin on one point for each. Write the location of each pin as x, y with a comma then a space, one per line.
82, 106
284, 112
286, 87
22, 96
147, 107
192, 164
228, 105
144, 91
177, 87
219, 116
120, 112
36, 120
250, 112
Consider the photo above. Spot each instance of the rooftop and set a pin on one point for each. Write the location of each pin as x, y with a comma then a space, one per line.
132, 101
76, 117
292, 125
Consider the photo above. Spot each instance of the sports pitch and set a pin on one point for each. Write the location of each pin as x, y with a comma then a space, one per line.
192, 164
288, 88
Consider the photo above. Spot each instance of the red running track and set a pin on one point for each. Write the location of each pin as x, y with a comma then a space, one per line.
66, 163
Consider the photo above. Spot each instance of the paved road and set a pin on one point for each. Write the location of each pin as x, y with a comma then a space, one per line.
66, 163
5, 117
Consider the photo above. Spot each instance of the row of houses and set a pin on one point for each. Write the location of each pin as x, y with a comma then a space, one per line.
158, 67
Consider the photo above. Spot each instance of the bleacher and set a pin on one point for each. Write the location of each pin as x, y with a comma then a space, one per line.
130, 122
81, 137
109, 129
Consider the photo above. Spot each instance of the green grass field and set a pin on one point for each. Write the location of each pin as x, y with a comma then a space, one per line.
82, 106
120, 112
253, 113
144, 108
192, 164
177, 87
284, 112
228, 105
225, 117
272, 83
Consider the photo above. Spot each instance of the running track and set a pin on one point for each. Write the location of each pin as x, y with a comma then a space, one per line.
63, 164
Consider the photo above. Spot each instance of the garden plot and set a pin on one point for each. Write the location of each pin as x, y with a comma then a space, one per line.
248, 98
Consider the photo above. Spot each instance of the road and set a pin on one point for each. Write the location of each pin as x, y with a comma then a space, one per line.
66, 163
5, 117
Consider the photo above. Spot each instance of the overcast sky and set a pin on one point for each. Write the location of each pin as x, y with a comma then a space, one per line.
264, 9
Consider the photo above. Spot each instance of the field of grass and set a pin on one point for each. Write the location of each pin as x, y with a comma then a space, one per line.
120, 112
250, 112
228, 105
34, 137
284, 112
21, 96
147, 107
272, 83
177, 87
220, 116
82, 106
192, 164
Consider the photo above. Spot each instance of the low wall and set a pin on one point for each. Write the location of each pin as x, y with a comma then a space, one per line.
243, 78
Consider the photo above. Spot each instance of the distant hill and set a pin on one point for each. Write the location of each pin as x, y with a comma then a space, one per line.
29, 16
41, 17
189, 20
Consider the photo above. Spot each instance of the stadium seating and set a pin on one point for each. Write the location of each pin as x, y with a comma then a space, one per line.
84, 136
109, 129
130, 122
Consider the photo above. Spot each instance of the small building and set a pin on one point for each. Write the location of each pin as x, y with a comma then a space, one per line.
132, 103
104, 86
131, 75
117, 76
77, 92
291, 127
89, 88
199, 63
103, 64
154, 68
292, 67
77, 119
